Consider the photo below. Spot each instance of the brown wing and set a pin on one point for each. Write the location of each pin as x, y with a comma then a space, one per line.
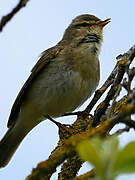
42, 63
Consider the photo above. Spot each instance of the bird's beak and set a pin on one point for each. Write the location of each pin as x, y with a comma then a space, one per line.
104, 23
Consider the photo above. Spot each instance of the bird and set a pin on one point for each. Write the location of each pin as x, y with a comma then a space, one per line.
64, 77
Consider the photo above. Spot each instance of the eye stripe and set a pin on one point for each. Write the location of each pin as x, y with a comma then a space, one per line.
84, 24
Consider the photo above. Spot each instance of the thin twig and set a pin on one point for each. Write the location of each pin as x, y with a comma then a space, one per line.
120, 131
5, 19
122, 117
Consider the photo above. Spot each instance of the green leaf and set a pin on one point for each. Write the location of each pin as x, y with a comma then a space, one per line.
125, 162
88, 152
111, 149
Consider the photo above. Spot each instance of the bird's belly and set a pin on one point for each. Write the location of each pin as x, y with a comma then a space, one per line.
58, 94
67, 97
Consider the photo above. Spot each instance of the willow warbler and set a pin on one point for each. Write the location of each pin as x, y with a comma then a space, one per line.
65, 76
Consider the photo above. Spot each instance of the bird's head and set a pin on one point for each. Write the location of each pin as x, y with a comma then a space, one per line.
87, 28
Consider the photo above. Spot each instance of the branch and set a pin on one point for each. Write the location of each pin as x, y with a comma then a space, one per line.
81, 129
5, 19
70, 168
122, 117
126, 111
123, 62
86, 176
104, 105
46, 168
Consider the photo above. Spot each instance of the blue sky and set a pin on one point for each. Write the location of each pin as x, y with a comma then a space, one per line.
35, 28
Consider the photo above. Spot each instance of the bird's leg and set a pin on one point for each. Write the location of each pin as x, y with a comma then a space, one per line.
64, 129
72, 113
58, 123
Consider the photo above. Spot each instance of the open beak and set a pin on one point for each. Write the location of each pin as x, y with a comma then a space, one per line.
104, 23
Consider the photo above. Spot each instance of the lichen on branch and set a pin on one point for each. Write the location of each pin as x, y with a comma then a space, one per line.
107, 114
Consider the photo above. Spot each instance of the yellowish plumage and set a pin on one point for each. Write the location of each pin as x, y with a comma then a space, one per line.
63, 79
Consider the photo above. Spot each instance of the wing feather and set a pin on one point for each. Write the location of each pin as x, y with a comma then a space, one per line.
44, 60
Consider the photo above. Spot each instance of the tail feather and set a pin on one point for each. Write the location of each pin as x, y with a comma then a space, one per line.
9, 145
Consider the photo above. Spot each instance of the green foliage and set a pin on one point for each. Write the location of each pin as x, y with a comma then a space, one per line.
107, 158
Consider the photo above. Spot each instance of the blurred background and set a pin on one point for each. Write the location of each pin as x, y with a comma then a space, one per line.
35, 28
